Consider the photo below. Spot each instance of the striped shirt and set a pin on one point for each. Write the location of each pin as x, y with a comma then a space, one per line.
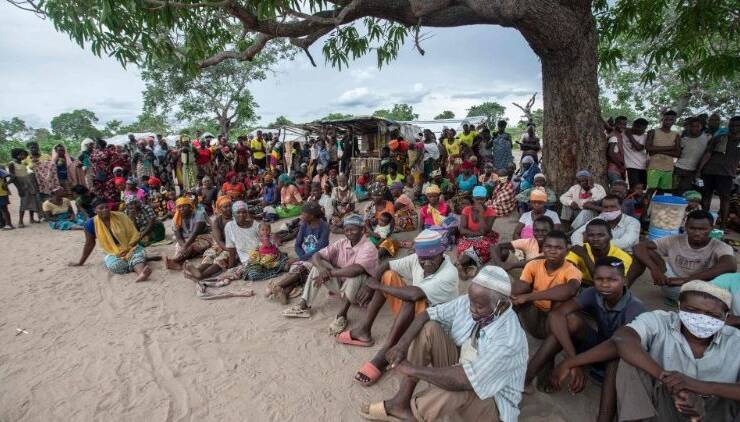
502, 354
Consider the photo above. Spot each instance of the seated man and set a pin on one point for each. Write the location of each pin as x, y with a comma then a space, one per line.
674, 365
343, 267
426, 278
482, 381
675, 260
611, 305
581, 201
625, 229
598, 244
731, 283
544, 281
531, 248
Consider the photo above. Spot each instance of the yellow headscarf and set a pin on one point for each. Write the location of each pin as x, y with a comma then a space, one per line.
222, 200
124, 230
177, 218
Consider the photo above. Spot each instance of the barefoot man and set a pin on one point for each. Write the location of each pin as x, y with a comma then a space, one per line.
216, 258
426, 278
483, 381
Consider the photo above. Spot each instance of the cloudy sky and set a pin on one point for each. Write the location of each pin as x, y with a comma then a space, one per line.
43, 73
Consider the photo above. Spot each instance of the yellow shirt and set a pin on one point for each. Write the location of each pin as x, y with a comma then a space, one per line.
54, 209
258, 149
3, 187
581, 265
452, 148
467, 139
399, 178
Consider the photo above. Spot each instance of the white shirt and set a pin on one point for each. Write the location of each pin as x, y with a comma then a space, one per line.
574, 195
692, 149
526, 218
499, 370
625, 234
243, 239
634, 159
440, 287
431, 151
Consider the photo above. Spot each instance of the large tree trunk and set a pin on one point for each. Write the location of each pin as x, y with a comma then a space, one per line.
573, 136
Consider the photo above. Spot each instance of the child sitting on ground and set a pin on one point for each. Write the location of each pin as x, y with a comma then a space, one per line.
170, 206
381, 236
267, 253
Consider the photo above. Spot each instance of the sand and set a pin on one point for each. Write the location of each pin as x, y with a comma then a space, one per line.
99, 347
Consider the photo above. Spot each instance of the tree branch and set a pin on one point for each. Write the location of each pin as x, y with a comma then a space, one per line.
178, 5
29, 6
259, 43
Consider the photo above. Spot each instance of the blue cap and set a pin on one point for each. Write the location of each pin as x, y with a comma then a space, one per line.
480, 192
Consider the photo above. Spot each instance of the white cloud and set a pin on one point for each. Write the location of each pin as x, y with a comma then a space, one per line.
359, 97
364, 74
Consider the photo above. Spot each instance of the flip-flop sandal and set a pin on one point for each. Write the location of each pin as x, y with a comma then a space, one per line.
345, 338
296, 312
371, 372
376, 412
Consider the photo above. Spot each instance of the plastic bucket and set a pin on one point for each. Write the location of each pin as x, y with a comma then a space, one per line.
667, 215
656, 233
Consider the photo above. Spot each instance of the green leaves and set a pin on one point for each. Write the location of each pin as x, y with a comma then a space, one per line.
77, 124
402, 112
491, 109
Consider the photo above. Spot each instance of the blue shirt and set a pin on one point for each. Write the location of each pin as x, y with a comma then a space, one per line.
609, 320
468, 184
269, 194
311, 240
502, 156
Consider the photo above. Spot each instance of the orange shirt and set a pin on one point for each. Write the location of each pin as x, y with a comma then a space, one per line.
234, 191
388, 208
536, 272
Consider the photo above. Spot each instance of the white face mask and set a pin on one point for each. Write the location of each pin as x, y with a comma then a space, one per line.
700, 325
610, 216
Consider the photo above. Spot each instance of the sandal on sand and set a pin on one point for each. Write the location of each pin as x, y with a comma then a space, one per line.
346, 338
376, 412
296, 312
337, 326
371, 372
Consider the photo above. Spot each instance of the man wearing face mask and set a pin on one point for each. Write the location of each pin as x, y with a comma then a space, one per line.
678, 365
483, 381
625, 229
598, 244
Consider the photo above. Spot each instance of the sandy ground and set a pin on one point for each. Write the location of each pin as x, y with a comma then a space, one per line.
100, 348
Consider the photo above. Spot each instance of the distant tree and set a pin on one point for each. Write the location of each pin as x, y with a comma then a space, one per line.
402, 112
614, 108
77, 124
280, 121
336, 116
12, 127
40, 135
492, 110
527, 108
447, 114
148, 121
112, 127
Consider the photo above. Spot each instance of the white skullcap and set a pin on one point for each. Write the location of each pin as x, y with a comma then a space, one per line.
494, 278
710, 289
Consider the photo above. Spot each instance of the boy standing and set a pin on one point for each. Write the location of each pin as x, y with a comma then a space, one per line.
663, 144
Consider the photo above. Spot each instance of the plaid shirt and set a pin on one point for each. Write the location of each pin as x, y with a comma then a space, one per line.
503, 199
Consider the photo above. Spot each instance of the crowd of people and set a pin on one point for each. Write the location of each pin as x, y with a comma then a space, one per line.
564, 278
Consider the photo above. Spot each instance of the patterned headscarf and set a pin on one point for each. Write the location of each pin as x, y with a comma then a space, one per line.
238, 205
353, 220
177, 218
220, 202
429, 243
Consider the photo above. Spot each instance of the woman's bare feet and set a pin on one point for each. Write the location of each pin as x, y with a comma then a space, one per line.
144, 275
191, 272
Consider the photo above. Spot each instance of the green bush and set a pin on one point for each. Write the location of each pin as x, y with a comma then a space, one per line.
46, 145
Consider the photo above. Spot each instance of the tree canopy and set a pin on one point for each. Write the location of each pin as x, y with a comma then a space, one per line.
12, 127
492, 110
76, 124
336, 116
403, 112
280, 121
447, 114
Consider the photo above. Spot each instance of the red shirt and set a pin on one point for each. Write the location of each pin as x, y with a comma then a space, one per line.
234, 191
203, 157
467, 212
403, 146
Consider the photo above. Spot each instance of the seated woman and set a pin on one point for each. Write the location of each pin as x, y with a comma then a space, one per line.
476, 234
290, 198
405, 217
378, 206
524, 177
233, 188
59, 213
313, 235
191, 231
118, 238
434, 212
524, 229
132, 190
83, 200
145, 219
343, 201
361, 185
466, 181
539, 181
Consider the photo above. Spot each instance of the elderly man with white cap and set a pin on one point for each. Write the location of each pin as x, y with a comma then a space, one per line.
473, 353
409, 285
342, 267
675, 365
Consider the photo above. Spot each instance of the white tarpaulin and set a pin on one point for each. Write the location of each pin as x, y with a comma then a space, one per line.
123, 139
436, 126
